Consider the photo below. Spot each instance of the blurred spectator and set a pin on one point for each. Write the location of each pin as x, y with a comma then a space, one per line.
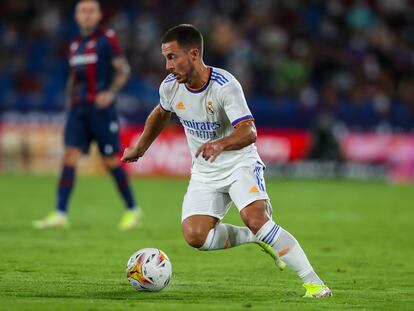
302, 64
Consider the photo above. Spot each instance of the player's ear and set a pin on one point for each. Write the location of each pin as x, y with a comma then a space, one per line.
194, 54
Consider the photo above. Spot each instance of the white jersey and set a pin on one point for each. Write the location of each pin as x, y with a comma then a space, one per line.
208, 114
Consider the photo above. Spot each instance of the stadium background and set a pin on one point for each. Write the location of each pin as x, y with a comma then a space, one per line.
328, 81
330, 84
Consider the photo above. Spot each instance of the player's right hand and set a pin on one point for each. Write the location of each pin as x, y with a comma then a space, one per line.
131, 154
104, 99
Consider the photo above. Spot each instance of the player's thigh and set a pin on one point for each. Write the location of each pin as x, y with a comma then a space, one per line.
105, 129
204, 199
76, 133
248, 186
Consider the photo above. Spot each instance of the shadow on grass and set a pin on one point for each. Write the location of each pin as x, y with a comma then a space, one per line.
170, 295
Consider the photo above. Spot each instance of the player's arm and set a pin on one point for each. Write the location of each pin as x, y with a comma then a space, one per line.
122, 71
154, 124
121, 75
243, 135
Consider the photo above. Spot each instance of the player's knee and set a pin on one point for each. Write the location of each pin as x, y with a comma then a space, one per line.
71, 156
254, 224
255, 215
111, 162
195, 242
196, 228
195, 237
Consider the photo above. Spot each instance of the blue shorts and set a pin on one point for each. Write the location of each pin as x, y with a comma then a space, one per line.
85, 124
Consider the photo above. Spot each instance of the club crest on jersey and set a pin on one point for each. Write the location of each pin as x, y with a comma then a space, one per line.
210, 107
74, 46
91, 44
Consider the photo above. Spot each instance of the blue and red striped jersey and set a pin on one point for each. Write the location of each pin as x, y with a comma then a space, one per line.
90, 60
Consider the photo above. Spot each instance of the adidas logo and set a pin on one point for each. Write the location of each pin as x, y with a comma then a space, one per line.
253, 189
180, 105
283, 251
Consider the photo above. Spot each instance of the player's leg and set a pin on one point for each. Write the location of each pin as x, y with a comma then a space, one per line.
133, 214
196, 228
203, 207
66, 182
284, 244
256, 217
106, 133
76, 141
249, 194
121, 179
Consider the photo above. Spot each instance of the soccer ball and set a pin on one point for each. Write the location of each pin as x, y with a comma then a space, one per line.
149, 269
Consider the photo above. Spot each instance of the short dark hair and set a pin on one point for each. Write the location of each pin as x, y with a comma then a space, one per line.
96, 1
186, 35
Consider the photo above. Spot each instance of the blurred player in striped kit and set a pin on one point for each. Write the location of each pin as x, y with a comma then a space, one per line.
98, 70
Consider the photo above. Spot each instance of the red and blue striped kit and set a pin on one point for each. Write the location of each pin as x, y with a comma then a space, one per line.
90, 60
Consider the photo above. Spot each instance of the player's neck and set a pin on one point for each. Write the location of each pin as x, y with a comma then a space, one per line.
199, 77
86, 32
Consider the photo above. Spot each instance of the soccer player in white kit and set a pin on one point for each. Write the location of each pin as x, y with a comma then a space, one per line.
220, 131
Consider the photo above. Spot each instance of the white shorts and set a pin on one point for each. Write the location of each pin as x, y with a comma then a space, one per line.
243, 187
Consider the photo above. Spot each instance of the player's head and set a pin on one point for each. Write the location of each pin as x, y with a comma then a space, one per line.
182, 47
88, 14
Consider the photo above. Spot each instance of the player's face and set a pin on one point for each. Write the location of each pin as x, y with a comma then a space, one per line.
88, 15
178, 61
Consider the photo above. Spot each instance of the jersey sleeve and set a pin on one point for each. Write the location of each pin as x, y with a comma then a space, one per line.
234, 103
115, 49
164, 102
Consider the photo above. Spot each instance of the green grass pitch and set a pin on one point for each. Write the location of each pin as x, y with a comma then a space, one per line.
358, 236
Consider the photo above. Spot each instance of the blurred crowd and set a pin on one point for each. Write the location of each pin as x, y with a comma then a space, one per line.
303, 64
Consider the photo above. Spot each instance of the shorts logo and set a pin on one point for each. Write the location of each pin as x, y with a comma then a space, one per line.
108, 149
180, 105
210, 107
253, 189
113, 127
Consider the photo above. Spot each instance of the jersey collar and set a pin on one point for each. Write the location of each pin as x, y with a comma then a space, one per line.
93, 34
199, 90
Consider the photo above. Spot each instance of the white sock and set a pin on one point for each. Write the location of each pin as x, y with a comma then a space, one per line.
225, 236
289, 250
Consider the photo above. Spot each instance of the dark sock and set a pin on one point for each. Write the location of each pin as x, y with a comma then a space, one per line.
65, 186
124, 188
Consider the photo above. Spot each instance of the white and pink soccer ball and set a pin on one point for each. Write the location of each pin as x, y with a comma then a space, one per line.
149, 269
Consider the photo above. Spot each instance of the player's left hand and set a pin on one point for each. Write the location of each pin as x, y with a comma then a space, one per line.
104, 99
210, 151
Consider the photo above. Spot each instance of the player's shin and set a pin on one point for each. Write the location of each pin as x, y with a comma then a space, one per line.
225, 236
289, 251
65, 186
124, 187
